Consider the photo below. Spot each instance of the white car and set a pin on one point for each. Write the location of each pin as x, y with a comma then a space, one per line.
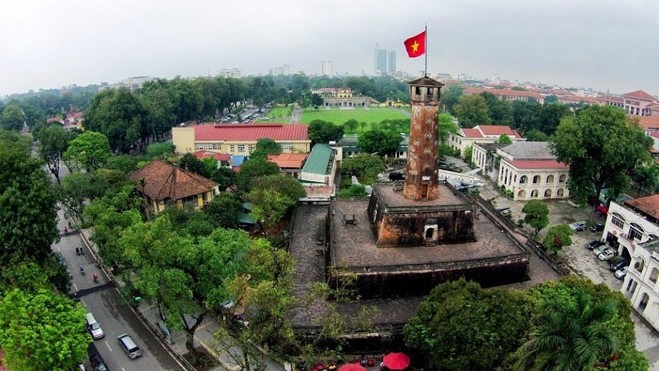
598, 250
607, 254
621, 273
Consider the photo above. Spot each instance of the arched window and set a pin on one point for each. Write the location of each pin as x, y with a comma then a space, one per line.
550, 179
521, 194
561, 179
617, 220
654, 274
560, 192
635, 232
536, 179
534, 193
548, 193
522, 179
639, 265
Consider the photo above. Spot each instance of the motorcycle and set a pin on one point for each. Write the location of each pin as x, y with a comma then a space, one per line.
95, 276
82, 270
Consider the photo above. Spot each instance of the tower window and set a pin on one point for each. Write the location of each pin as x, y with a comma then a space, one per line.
418, 90
430, 92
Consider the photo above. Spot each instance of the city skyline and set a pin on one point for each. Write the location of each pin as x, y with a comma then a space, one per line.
599, 45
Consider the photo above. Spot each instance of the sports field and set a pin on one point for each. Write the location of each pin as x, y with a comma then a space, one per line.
340, 116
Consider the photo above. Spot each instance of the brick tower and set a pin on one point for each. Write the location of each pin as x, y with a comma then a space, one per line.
423, 157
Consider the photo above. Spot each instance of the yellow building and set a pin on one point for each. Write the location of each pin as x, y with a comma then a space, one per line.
239, 139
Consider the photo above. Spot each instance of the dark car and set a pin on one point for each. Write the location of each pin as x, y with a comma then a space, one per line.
95, 359
597, 227
593, 244
618, 263
396, 176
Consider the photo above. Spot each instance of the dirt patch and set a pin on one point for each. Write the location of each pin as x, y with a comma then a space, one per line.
201, 359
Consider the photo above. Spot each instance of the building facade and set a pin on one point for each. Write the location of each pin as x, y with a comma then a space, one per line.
632, 228
239, 139
466, 137
530, 171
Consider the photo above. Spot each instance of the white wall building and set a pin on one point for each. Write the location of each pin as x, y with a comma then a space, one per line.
633, 228
480, 134
531, 172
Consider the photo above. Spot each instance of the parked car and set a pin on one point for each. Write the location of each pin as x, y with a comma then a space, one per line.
618, 263
598, 250
97, 362
593, 244
597, 227
606, 255
93, 327
621, 273
578, 226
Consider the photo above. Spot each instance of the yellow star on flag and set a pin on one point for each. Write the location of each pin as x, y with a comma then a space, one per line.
415, 46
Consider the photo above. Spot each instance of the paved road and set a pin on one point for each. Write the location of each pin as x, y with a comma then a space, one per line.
114, 316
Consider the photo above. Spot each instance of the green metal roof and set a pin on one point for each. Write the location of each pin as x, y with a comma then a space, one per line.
319, 161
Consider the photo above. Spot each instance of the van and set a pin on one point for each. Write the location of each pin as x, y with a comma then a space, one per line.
129, 346
93, 327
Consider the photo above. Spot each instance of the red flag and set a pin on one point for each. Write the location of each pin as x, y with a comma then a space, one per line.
416, 45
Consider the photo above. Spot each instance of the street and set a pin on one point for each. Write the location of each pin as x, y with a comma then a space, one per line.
112, 313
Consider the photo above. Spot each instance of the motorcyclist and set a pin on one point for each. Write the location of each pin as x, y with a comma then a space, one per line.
82, 270
95, 276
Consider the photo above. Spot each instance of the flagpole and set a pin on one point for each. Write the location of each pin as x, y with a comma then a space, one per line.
425, 48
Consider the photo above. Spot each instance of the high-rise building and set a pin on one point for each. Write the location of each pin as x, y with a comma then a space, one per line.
280, 70
391, 62
326, 68
380, 60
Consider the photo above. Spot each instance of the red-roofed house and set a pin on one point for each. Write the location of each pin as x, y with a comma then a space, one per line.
166, 185
290, 163
223, 159
638, 103
239, 139
480, 134
508, 94
530, 171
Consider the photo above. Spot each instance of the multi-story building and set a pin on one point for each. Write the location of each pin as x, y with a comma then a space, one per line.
239, 139
635, 103
508, 95
326, 68
280, 70
466, 137
380, 61
530, 172
391, 62
632, 228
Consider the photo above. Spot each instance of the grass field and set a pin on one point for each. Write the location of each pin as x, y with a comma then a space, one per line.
339, 116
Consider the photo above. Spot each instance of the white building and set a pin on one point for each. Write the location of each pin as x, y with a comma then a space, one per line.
530, 171
633, 228
480, 134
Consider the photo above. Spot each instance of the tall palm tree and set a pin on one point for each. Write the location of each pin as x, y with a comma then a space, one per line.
569, 335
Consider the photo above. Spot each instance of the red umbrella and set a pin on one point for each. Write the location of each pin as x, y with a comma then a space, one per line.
396, 361
352, 367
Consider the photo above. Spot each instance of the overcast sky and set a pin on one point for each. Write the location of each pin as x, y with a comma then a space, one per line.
602, 44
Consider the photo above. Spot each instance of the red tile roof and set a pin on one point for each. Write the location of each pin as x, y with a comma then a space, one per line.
249, 132
649, 122
505, 93
538, 164
472, 133
201, 154
498, 130
289, 160
649, 205
640, 94
160, 181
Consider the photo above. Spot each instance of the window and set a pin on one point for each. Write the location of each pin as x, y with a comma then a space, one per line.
561, 179
241, 148
639, 265
654, 274
635, 232
560, 192
617, 220
232, 148
522, 179
536, 179
534, 193
550, 179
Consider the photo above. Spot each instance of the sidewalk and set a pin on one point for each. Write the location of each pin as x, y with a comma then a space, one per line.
174, 341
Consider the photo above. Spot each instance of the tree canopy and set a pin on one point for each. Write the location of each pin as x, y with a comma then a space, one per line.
557, 237
324, 131
12, 117
380, 142
472, 110
364, 166
602, 148
536, 214
88, 151
53, 142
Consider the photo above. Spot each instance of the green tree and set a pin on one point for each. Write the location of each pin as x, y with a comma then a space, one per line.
269, 207
224, 176
53, 142
551, 115
557, 237
504, 139
460, 326
471, 110
646, 177
445, 127
536, 214
12, 117
536, 135
316, 101
450, 97
160, 150
252, 169
324, 131
354, 190
42, 331
265, 147
282, 183
602, 148
526, 116
364, 166
224, 210
79, 188
88, 151
350, 126
379, 141
27, 203
469, 151
500, 111
190, 163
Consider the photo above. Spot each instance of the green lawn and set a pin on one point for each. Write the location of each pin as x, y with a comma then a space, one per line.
339, 116
278, 115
